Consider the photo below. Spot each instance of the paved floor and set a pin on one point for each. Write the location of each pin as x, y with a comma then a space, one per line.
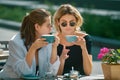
6, 34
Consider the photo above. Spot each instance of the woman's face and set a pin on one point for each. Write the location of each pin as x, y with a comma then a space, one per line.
45, 28
67, 24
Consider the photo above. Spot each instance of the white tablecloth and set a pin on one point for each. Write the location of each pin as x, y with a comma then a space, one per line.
92, 77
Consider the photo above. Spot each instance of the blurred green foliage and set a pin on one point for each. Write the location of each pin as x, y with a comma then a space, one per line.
12, 13
103, 26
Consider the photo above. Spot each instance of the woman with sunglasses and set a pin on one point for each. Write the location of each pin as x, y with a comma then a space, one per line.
67, 21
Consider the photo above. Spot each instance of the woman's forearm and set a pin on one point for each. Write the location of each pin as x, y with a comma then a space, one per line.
61, 67
30, 55
87, 61
53, 57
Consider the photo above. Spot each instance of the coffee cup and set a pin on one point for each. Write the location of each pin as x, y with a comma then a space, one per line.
71, 38
49, 38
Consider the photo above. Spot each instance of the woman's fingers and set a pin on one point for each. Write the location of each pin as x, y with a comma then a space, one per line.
65, 52
57, 41
41, 42
64, 47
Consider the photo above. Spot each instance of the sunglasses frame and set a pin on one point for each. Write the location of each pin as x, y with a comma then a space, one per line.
71, 24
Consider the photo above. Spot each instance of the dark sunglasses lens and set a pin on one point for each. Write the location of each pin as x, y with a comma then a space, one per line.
64, 24
72, 24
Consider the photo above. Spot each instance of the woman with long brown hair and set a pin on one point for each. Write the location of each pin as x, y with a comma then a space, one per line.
28, 51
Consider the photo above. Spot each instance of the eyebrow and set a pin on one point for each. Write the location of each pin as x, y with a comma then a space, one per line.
66, 20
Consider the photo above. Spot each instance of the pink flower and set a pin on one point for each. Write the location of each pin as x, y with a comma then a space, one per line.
104, 50
100, 55
110, 56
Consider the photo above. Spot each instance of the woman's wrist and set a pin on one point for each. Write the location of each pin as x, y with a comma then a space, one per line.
62, 59
32, 49
54, 45
83, 47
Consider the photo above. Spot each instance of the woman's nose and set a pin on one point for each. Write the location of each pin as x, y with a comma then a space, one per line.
67, 25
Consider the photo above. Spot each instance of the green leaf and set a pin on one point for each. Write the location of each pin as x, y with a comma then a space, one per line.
118, 50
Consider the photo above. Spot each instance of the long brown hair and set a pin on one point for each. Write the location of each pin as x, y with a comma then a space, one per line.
27, 29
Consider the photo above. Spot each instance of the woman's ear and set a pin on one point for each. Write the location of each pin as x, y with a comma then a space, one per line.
37, 27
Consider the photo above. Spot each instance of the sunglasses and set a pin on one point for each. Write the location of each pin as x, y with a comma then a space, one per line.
64, 24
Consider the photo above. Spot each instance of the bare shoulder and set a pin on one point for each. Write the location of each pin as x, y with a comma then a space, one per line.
82, 34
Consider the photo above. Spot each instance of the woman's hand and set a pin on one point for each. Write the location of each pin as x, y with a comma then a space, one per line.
39, 43
57, 41
64, 55
80, 42
32, 50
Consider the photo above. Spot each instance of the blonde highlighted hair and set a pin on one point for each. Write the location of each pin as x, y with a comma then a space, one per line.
67, 9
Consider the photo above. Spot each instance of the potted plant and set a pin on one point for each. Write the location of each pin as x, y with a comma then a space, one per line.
110, 62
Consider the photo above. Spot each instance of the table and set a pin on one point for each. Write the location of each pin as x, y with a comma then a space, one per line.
83, 77
91, 77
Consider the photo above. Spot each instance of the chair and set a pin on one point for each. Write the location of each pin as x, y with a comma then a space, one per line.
4, 46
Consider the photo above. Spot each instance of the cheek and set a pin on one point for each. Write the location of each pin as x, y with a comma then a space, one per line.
62, 28
45, 31
39, 32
